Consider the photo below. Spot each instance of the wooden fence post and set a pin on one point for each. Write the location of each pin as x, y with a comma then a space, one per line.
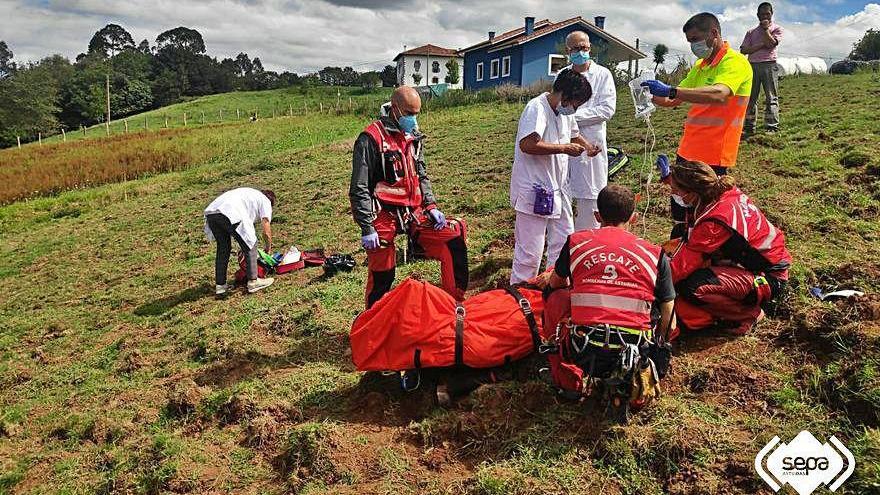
40, 138
238, 114
321, 106
221, 115
63, 135
289, 110
126, 125
350, 106
203, 117
184, 119
146, 123
83, 129
18, 138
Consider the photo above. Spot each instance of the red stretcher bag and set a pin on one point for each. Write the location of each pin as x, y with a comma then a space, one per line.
418, 325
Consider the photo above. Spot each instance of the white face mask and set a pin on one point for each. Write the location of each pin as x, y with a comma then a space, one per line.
678, 199
700, 49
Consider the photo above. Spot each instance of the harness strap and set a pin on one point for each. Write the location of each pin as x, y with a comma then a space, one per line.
526, 307
459, 334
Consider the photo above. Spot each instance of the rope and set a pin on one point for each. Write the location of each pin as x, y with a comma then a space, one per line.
648, 170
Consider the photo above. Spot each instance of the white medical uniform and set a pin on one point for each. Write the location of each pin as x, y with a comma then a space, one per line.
589, 175
242, 206
551, 171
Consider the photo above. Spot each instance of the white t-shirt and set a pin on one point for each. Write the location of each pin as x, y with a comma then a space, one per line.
243, 206
589, 175
550, 171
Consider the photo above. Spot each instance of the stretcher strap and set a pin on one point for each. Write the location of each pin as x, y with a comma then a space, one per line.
459, 334
526, 309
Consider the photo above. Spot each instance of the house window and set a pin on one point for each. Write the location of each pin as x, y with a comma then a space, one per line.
480, 71
417, 65
435, 67
505, 66
435, 80
556, 63
493, 69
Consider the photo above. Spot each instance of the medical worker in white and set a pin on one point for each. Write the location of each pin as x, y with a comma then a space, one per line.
539, 183
589, 174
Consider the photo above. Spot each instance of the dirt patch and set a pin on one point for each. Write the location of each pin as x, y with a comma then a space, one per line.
184, 397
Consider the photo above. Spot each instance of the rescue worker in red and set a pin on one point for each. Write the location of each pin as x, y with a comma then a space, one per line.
391, 194
610, 276
733, 261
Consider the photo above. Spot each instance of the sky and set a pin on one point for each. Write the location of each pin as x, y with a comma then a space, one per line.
305, 35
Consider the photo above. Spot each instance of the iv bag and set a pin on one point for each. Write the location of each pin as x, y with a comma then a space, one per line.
641, 96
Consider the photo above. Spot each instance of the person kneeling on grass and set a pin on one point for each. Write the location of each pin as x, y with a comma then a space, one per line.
232, 215
733, 261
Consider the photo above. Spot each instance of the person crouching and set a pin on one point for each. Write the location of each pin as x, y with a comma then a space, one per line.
733, 261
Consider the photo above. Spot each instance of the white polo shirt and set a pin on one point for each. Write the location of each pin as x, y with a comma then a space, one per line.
550, 171
243, 206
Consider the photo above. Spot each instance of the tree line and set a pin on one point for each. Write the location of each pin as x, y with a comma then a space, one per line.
55, 93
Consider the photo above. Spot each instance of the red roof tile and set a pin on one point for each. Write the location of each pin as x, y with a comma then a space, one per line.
429, 50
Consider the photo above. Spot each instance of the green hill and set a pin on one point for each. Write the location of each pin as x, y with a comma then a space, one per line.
241, 106
120, 373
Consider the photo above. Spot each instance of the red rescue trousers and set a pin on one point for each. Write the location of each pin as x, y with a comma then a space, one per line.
720, 294
557, 308
446, 245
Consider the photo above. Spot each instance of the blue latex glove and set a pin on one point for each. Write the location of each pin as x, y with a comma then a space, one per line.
439, 219
662, 165
657, 88
370, 241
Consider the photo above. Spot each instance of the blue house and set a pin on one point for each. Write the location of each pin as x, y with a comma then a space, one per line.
535, 51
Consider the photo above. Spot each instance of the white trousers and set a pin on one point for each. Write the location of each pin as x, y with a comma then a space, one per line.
585, 219
530, 234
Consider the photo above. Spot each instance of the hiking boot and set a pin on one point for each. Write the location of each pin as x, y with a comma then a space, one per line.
221, 290
259, 284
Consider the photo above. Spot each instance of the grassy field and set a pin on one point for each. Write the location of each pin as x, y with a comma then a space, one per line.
238, 106
119, 372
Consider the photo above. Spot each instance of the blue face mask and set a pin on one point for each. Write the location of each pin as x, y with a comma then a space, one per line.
407, 123
579, 57
565, 110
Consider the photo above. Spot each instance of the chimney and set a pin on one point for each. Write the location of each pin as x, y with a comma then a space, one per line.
599, 21
530, 25
491, 36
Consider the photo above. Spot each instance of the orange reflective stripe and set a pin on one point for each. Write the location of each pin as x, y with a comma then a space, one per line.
737, 122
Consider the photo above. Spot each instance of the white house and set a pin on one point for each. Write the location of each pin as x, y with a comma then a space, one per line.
429, 62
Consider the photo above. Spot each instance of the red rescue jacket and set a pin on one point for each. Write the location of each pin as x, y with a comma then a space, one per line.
754, 243
398, 152
613, 276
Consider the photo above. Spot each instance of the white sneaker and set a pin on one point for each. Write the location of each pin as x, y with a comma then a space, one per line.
258, 284
221, 290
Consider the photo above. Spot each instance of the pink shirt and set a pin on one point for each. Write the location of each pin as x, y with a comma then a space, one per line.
756, 37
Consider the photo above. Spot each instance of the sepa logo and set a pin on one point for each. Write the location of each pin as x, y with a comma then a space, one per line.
805, 464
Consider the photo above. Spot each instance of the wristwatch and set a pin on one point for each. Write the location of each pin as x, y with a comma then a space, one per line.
673, 92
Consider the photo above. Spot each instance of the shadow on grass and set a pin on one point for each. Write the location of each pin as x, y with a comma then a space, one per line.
165, 304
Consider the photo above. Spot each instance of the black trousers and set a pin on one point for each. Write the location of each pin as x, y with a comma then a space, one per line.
224, 232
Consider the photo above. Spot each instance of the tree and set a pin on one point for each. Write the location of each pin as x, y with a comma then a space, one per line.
110, 40
144, 47
868, 48
370, 80
27, 104
660, 52
452, 72
389, 76
7, 66
181, 38
417, 78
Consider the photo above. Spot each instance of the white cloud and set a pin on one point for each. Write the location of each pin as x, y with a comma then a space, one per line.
304, 35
